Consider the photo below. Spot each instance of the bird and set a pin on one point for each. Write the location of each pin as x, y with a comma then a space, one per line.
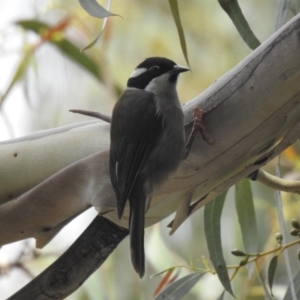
147, 143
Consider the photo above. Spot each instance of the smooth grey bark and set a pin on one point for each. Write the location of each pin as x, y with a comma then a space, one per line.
253, 114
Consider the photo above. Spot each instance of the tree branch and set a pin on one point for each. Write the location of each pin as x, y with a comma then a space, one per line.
276, 183
252, 114
83, 258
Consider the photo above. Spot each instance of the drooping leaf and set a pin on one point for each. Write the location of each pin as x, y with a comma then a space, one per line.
179, 288
296, 281
80, 58
283, 232
176, 17
36, 26
262, 283
18, 75
235, 13
221, 297
271, 272
163, 282
212, 227
25, 83
246, 216
93, 8
293, 7
65, 46
282, 9
90, 45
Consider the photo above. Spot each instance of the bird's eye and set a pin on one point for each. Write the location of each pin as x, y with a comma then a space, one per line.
154, 70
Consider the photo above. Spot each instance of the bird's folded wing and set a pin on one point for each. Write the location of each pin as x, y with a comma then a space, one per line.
135, 130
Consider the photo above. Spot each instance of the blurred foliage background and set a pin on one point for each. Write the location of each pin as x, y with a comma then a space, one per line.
51, 83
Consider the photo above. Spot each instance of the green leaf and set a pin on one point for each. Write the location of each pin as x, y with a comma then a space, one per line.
246, 215
90, 45
69, 49
176, 17
221, 297
19, 74
296, 280
267, 294
179, 288
93, 8
212, 227
282, 9
36, 26
234, 12
293, 7
80, 58
271, 271
283, 231
34, 67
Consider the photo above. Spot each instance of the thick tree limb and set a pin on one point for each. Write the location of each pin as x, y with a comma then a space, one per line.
27, 161
84, 257
253, 114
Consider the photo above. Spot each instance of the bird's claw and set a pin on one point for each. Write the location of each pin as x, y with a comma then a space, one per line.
197, 126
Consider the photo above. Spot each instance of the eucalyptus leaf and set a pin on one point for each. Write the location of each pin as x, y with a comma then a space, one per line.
262, 283
93, 8
246, 216
176, 17
271, 271
221, 297
293, 7
164, 281
296, 281
212, 227
18, 75
235, 13
65, 46
81, 59
282, 9
179, 288
90, 45
297, 5
283, 232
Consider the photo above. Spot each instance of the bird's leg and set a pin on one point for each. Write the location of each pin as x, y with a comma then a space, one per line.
197, 126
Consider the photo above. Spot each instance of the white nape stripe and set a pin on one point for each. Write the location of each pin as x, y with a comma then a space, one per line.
137, 72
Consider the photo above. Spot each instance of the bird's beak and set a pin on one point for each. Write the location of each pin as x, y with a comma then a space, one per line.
179, 69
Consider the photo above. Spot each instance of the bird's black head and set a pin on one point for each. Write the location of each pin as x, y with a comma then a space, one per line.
152, 68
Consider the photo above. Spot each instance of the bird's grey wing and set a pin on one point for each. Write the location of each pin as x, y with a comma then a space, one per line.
135, 130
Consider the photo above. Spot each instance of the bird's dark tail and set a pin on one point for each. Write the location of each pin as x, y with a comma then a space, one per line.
137, 223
